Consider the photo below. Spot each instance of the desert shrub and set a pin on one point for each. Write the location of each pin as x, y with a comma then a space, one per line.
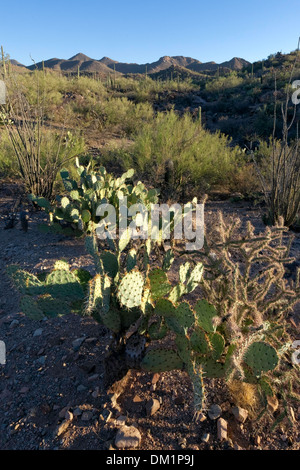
8, 162
126, 115
39, 151
200, 158
221, 84
281, 186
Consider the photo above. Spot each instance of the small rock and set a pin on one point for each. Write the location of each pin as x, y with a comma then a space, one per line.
121, 421
86, 415
201, 418
38, 332
106, 415
155, 378
77, 412
214, 412
179, 400
205, 437
14, 323
69, 416
62, 412
182, 442
93, 377
128, 437
292, 414
237, 447
137, 399
77, 343
240, 414
41, 360
284, 438
152, 406
272, 404
96, 393
257, 440
222, 429
81, 388
24, 390
62, 428
226, 406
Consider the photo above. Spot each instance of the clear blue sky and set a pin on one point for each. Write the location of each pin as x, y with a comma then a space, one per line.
141, 31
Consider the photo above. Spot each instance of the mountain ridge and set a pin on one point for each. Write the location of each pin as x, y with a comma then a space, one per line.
106, 65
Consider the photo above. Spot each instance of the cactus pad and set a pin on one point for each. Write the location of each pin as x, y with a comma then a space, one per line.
159, 360
30, 308
165, 308
130, 290
61, 283
25, 282
205, 313
261, 357
160, 285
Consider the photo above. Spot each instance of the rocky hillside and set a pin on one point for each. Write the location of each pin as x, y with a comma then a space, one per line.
106, 65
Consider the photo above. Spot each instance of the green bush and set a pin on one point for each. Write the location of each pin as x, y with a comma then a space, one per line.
199, 157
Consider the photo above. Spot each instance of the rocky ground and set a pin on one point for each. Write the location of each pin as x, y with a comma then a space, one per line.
52, 394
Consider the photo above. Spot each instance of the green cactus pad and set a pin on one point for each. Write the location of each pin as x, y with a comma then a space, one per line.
176, 293
25, 282
30, 308
94, 295
61, 283
213, 369
91, 244
168, 260
146, 255
61, 264
261, 357
65, 201
199, 341
74, 194
106, 285
205, 313
111, 320
196, 375
265, 386
86, 216
183, 347
129, 317
53, 307
124, 239
130, 290
110, 263
184, 271
194, 278
165, 308
157, 330
131, 259
83, 276
185, 315
160, 360
160, 285
218, 344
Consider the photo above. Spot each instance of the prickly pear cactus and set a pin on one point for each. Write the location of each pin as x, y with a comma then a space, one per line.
130, 289
53, 296
261, 357
160, 360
